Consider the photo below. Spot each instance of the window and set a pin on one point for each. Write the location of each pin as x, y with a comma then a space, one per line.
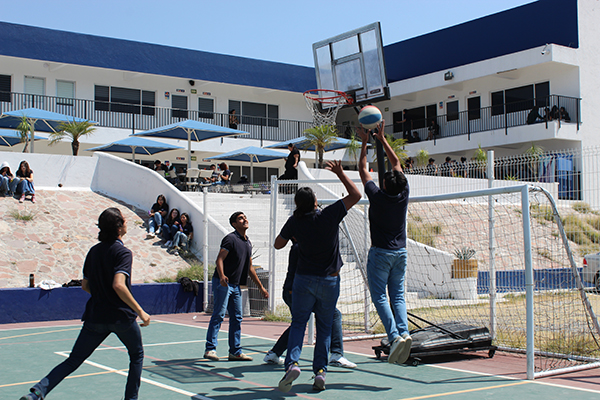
149, 101
206, 108
101, 98
256, 113
179, 105
65, 91
5, 88
121, 98
273, 115
542, 94
497, 103
519, 99
474, 107
452, 110
125, 100
34, 85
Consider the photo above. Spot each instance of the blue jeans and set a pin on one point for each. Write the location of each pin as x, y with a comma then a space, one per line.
337, 341
25, 187
316, 294
226, 298
387, 268
180, 239
154, 222
7, 185
168, 232
90, 337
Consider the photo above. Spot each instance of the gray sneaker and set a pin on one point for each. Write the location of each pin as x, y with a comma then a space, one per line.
292, 373
405, 353
33, 395
319, 383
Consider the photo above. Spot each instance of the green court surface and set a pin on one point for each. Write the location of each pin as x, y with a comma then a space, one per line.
174, 369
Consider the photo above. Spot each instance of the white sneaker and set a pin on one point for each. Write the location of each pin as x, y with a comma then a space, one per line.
272, 358
150, 236
396, 348
338, 360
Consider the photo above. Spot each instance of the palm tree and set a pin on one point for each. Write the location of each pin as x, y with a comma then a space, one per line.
75, 131
354, 147
533, 155
24, 128
321, 136
397, 146
422, 158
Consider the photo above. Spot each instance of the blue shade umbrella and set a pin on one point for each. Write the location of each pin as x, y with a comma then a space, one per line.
41, 120
191, 130
10, 138
136, 145
250, 154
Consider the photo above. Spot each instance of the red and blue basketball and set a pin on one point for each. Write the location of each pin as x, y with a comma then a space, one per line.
369, 117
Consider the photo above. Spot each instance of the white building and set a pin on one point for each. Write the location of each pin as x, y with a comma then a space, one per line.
479, 80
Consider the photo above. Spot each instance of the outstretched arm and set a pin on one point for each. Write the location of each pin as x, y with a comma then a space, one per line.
120, 287
363, 170
353, 193
380, 135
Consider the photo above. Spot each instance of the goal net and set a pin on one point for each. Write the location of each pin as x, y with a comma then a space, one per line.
495, 258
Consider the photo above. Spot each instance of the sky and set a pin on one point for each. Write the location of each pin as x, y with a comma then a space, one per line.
273, 30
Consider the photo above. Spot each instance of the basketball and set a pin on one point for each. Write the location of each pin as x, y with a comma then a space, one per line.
369, 117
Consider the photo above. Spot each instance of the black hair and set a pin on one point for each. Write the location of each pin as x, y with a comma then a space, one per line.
170, 219
463, 159
231, 111
395, 182
157, 162
109, 222
305, 201
163, 197
233, 218
187, 217
448, 158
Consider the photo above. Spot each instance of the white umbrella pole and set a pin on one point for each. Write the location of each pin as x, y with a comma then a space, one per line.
189, 132
133, 154
251, 169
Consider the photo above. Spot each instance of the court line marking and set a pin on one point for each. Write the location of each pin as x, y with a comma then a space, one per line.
559, 385
430, 396
38, 333
350, 352
38, 327
145, 380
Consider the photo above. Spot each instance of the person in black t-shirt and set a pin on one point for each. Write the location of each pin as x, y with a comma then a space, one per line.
157, 213
387, 259
316, 284
291, 163
234, 264
111, 309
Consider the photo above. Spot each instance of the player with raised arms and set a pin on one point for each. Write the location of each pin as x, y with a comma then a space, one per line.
386, 263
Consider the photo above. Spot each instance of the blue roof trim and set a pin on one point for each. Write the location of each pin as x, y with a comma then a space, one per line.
97, 51
510, 31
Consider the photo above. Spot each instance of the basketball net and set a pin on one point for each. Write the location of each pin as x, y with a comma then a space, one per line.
324, 105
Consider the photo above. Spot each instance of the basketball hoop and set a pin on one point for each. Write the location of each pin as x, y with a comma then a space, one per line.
324, 104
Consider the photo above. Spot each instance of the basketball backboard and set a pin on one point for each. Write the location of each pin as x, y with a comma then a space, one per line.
353, 63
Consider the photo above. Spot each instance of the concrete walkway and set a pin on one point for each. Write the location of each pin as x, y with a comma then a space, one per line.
53, 245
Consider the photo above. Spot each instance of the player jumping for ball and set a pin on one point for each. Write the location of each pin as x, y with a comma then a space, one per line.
386, 263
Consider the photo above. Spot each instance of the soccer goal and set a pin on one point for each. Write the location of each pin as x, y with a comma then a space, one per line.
497, 258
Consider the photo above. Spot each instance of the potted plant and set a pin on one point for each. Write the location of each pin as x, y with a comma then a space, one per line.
464, 266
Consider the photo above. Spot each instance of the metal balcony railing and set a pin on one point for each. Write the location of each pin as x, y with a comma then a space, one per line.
142, 117
501, 116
